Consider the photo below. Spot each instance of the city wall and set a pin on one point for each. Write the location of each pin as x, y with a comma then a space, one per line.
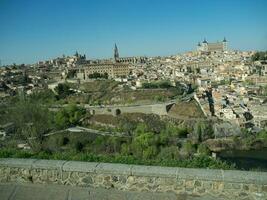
221, 184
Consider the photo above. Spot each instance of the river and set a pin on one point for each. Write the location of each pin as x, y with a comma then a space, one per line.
246, 159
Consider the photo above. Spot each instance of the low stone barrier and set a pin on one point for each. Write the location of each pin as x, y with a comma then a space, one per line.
222, 184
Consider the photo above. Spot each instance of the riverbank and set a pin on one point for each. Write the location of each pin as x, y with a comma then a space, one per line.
244, 142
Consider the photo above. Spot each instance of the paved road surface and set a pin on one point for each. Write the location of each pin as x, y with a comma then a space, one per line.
9, 191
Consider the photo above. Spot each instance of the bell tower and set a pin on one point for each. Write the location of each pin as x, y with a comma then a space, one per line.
116, 53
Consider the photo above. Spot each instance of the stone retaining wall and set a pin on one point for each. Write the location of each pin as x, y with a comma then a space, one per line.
222, 184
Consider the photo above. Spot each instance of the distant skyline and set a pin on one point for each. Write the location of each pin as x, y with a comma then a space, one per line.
40, 30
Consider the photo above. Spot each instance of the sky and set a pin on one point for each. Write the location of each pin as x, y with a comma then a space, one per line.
33, 30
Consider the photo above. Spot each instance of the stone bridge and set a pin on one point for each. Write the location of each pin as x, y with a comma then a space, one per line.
159, 109
195, 111
156, 108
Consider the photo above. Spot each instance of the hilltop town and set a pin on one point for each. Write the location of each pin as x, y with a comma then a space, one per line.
212, 99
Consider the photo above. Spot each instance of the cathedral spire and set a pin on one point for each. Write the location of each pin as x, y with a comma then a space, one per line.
116, 53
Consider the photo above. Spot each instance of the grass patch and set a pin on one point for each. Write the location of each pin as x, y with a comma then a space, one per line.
195, 162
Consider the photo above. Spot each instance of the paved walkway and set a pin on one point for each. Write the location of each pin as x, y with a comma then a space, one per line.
49, 192
9, 191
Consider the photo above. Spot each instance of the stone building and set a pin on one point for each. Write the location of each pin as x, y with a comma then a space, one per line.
118, 67
195, 66
112, 69
212, 47
134, 59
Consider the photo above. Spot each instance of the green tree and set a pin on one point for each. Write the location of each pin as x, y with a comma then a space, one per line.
97, 75
31, 120
261, 55
140, 129
63, 90
145, 145
69, 116
43, 96
158, 84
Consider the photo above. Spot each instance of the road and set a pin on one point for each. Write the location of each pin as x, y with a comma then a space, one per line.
79, 129
9, 191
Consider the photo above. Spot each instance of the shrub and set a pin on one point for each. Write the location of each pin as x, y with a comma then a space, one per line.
169, 153
203, 149
125, 149
159, 98
195, 162
159, 84
182, 132
150, 152
163, 138
65, 141
202, 131
189, 148
262, 135
140, 129
43, 96
69, 116
144, 145
63, 90
164, 84
78, 146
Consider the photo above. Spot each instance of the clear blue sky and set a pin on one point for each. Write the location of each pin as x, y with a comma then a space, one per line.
32, 30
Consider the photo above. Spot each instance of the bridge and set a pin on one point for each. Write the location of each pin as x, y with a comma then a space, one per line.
154, 108
158, 109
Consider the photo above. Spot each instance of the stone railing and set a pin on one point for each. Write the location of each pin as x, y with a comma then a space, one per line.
222, 184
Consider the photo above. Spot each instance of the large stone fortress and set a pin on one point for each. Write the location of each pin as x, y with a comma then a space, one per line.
212, 47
